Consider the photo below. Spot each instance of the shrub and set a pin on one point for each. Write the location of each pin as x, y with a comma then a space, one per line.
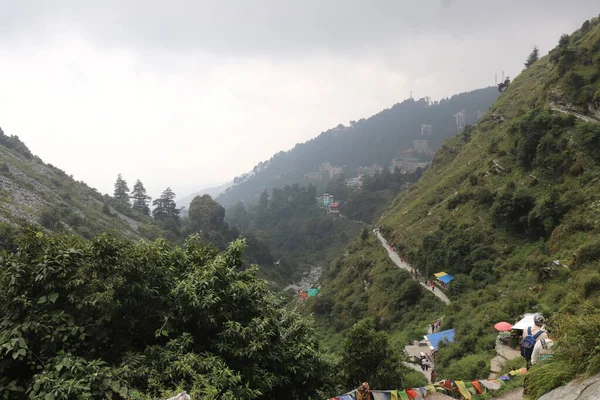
587, 254
116, 319
511, 209
50, 218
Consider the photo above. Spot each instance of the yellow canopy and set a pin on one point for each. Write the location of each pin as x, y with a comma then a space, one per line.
438, 274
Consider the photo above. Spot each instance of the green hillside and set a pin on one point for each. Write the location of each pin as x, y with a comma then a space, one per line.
35, 193
377, 139
511, 209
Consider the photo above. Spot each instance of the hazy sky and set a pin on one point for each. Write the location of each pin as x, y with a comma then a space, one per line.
191, 93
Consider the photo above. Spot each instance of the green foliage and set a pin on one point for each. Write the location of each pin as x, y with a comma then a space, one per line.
165, 207
533, 57
121, 190
111, 318
368, 357
140, 198
206, 214
289, 227
577, 351
367, 203
511, 209
50, 218
452, 249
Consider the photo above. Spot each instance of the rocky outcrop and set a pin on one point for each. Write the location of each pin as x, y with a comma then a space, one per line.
586, 389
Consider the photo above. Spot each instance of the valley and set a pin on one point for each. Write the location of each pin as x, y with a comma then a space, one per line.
373, 261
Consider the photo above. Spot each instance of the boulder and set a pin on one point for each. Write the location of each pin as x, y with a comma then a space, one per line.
582, 389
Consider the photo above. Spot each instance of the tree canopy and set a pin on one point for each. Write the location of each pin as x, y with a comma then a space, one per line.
121, 190
140, 198
116, 319
533, 57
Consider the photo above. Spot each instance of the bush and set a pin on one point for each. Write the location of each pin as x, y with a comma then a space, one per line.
511, 209
50, 218
116, 319
587, 254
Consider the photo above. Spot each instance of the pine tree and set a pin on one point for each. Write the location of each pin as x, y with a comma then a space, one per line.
165, 206
533, 57
121, 190
140, 198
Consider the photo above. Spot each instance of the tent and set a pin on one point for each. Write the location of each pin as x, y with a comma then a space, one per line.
436, 338
525, 322
313, 292
439, 274
446, 278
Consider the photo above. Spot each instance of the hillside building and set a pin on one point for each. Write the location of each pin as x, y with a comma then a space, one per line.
406, 164
369, 171
330, 170
461, 120
420, 146
426, 130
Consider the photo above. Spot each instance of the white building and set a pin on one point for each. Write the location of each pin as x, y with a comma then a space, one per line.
461, 120
420, 146
426, 130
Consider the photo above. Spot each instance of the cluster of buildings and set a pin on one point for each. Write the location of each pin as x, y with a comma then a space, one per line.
326, 171
407, 164
327, 202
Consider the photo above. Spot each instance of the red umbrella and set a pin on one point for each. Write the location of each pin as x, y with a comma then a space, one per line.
503, 326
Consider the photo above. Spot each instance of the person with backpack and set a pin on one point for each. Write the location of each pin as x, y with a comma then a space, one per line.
531, 335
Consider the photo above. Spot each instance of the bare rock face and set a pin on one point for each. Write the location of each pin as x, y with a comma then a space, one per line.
587, 389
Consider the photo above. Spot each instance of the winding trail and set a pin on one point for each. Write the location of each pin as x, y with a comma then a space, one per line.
404, 265
556, 107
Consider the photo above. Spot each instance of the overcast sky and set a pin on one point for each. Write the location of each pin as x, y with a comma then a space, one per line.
192, 93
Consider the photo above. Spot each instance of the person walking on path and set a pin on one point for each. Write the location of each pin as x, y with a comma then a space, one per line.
531, 336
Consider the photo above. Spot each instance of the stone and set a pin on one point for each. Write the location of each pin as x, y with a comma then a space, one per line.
581, 389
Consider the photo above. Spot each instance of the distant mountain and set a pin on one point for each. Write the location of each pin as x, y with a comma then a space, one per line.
377, 139
211, 191
35, 193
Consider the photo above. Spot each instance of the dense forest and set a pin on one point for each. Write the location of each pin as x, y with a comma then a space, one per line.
377, 139
298, 233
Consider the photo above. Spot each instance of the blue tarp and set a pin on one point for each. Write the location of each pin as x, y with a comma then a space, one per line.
436, 338
445, 278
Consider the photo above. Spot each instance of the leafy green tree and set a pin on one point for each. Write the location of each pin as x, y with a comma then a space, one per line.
121, 190
533, 57
140, 198
110, 318
206, 214
165, 207
368, 357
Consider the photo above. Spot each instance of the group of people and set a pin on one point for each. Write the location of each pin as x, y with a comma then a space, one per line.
430, 284
436, 325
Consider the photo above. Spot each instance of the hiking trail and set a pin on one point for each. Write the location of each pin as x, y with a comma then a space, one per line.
404, 265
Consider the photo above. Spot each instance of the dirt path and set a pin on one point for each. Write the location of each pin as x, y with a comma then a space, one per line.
404, 265
582, 117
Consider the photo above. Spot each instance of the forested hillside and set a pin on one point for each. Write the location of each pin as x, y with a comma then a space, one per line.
510, 208
377, 139
288, 234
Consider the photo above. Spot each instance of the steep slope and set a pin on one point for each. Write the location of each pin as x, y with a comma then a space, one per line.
511, 208
32, 192
377, 139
